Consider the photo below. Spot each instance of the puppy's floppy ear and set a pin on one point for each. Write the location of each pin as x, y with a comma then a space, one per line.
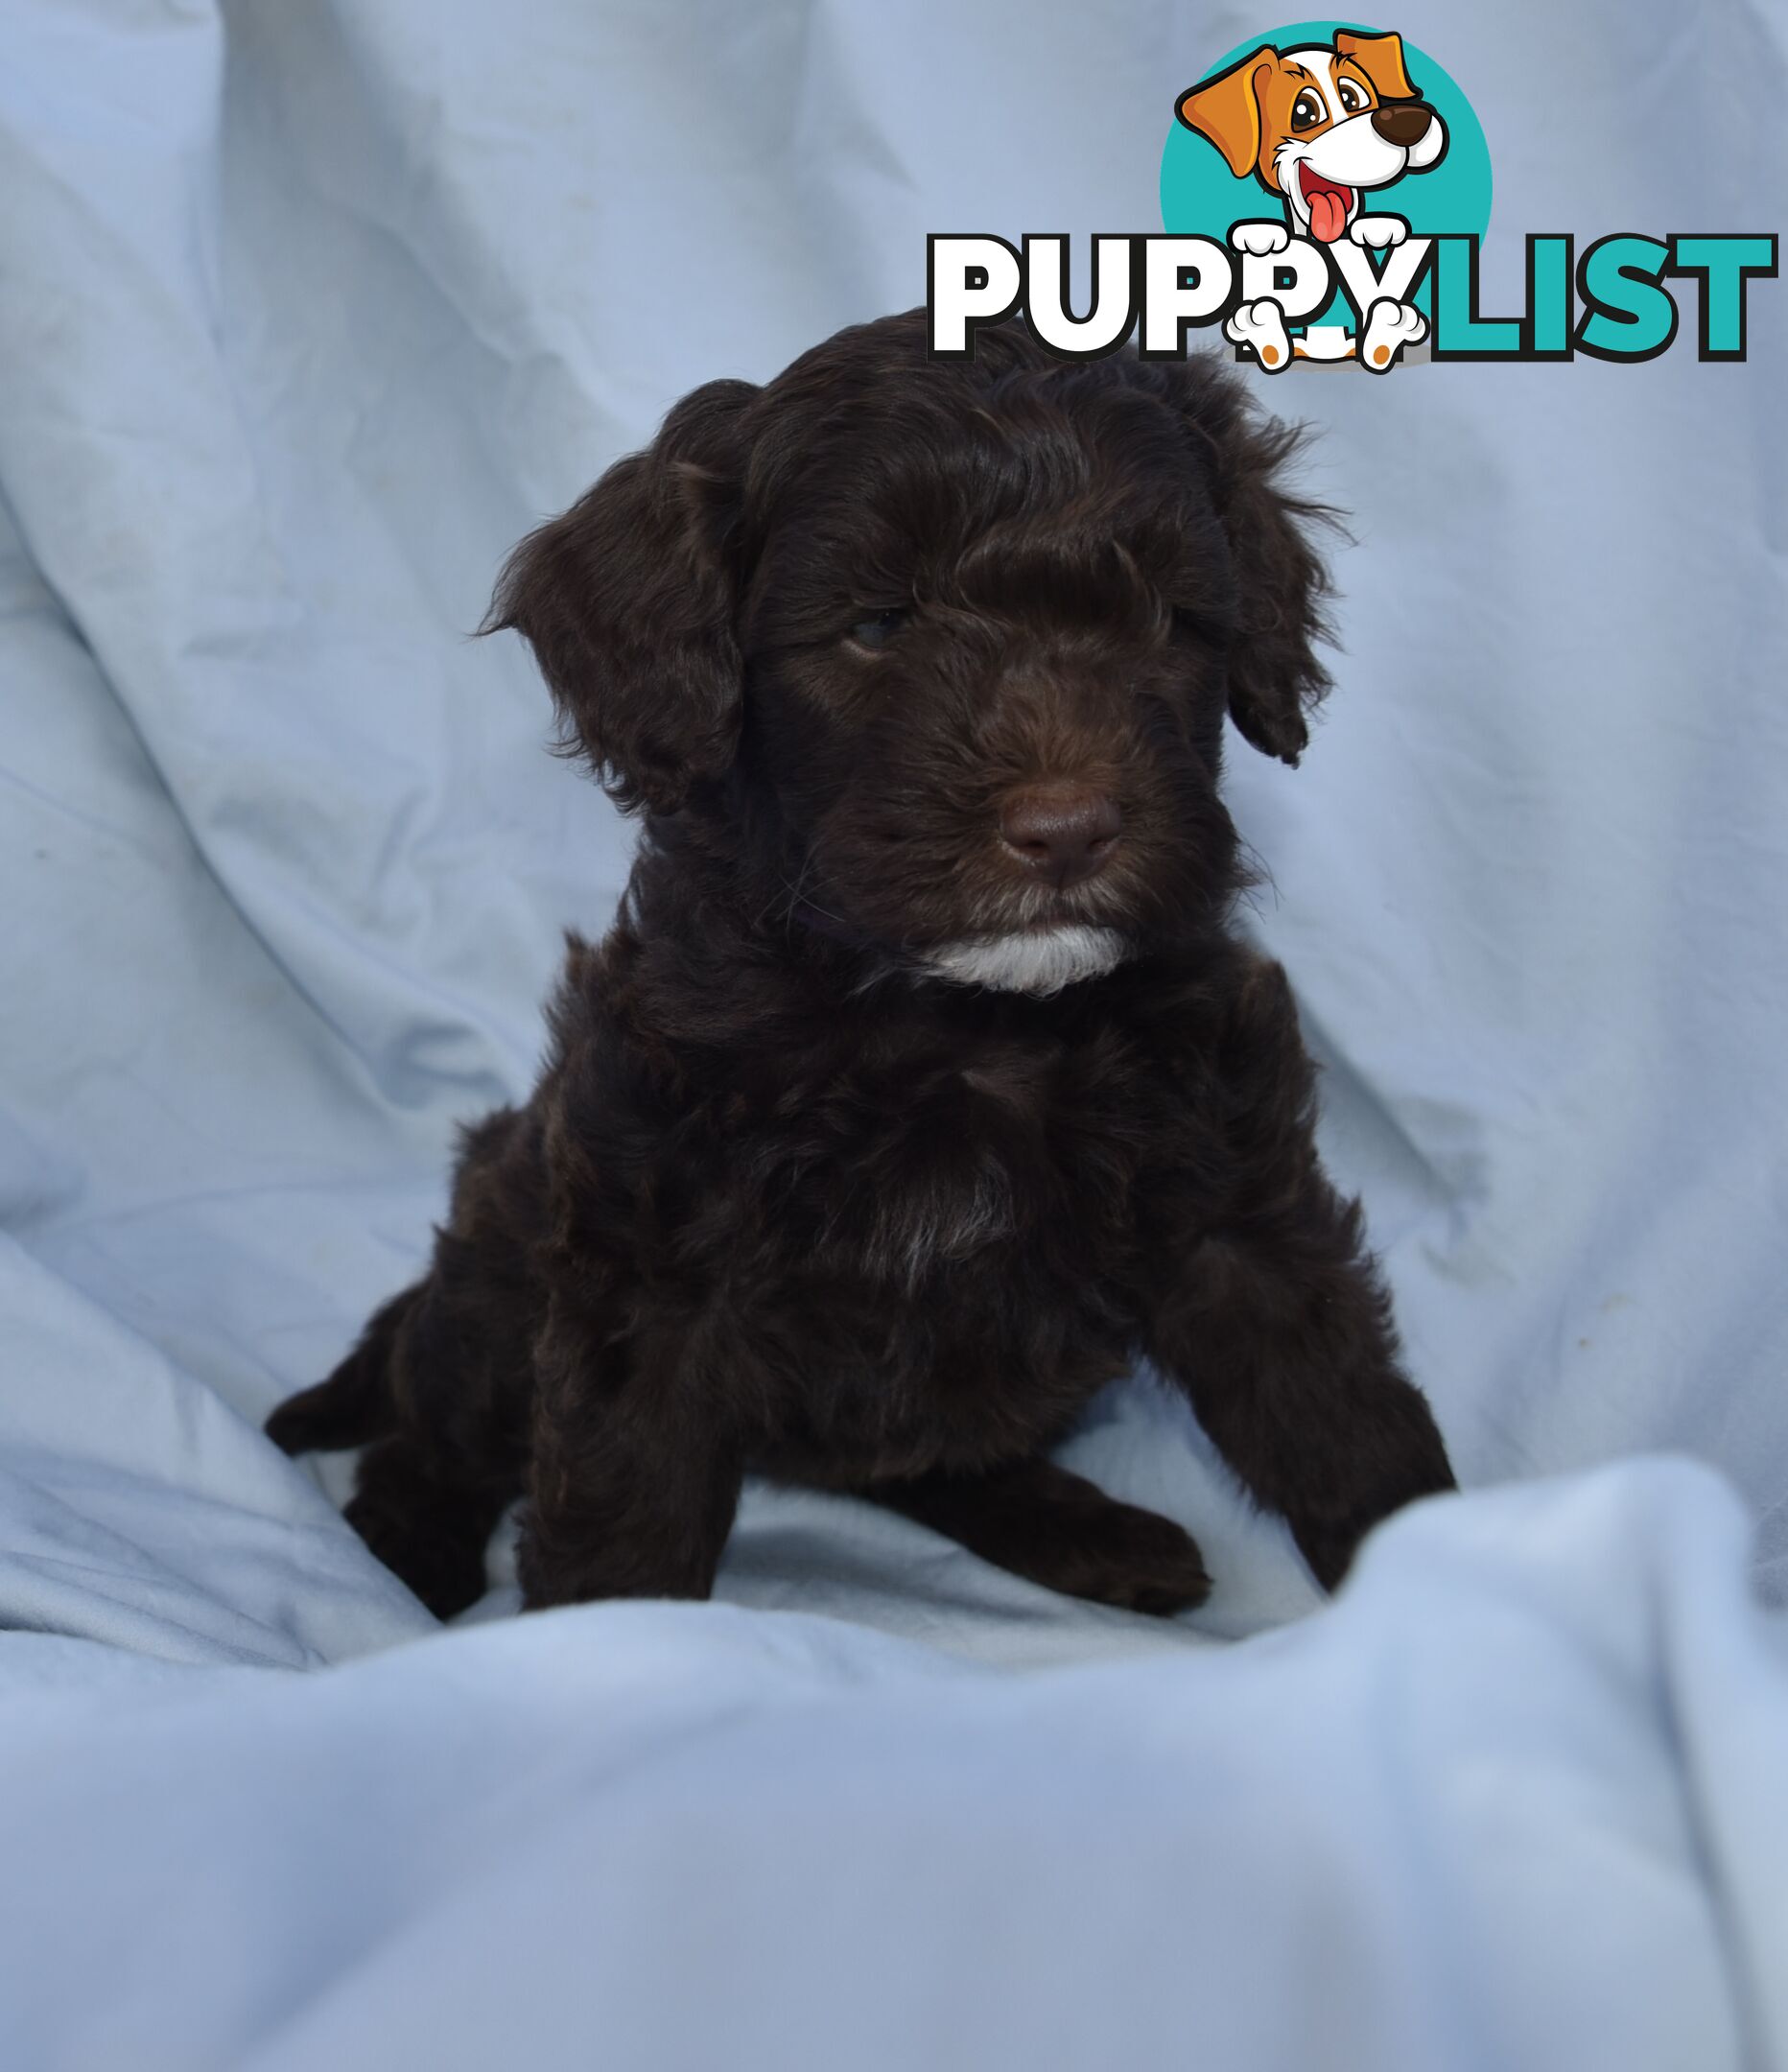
627, 601
1381, 59
1274, 680
1227, 109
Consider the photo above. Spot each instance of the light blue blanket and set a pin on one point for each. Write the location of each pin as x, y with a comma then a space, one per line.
307, 311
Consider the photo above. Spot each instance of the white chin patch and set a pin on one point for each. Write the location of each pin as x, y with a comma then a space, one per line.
1041, 961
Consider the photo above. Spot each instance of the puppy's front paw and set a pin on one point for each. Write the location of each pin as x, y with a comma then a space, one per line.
1262, 325
1259, 240
1329, 1550
544, 1583
1120, 1554
560, 1571
567, 1568
1377, 233
1329, 1542
1390, 326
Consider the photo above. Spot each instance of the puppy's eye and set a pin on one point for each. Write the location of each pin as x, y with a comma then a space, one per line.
880, 627
1352, 97
1307, 111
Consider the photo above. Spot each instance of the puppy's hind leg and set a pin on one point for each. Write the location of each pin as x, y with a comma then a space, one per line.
355, 1403
1060, 1530
429, 1528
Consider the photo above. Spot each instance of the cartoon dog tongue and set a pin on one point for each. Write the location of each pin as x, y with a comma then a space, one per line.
1328, 209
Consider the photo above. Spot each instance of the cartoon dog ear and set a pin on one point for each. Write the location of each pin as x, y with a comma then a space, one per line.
1280, 581
1227, 109
1381, 59
628, 604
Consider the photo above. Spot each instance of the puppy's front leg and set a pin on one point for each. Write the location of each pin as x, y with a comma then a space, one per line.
1275, 1323
633, 1480
1060, 1530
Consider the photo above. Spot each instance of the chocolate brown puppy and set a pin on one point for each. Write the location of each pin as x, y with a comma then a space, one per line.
922, 1084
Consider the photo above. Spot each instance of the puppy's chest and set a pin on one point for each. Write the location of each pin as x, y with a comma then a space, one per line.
913, 1173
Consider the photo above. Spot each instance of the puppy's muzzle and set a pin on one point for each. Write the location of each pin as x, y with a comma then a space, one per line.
1063, 833
1404, 123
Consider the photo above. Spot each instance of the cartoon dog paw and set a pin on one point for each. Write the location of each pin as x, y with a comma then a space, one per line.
1262, 325
1380, 232
1390, 326
1259, 240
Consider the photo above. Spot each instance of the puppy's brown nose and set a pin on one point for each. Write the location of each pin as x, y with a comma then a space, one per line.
1404, 124
1062, 832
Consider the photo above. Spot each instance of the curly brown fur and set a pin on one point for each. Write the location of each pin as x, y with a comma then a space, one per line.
875, 647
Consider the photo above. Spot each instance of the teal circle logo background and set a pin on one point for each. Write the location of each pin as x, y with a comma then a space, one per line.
1200, 197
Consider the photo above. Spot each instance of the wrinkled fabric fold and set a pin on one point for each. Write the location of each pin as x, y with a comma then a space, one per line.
307, 312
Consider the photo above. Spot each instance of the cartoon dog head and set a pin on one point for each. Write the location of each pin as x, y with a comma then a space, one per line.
1319, 126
